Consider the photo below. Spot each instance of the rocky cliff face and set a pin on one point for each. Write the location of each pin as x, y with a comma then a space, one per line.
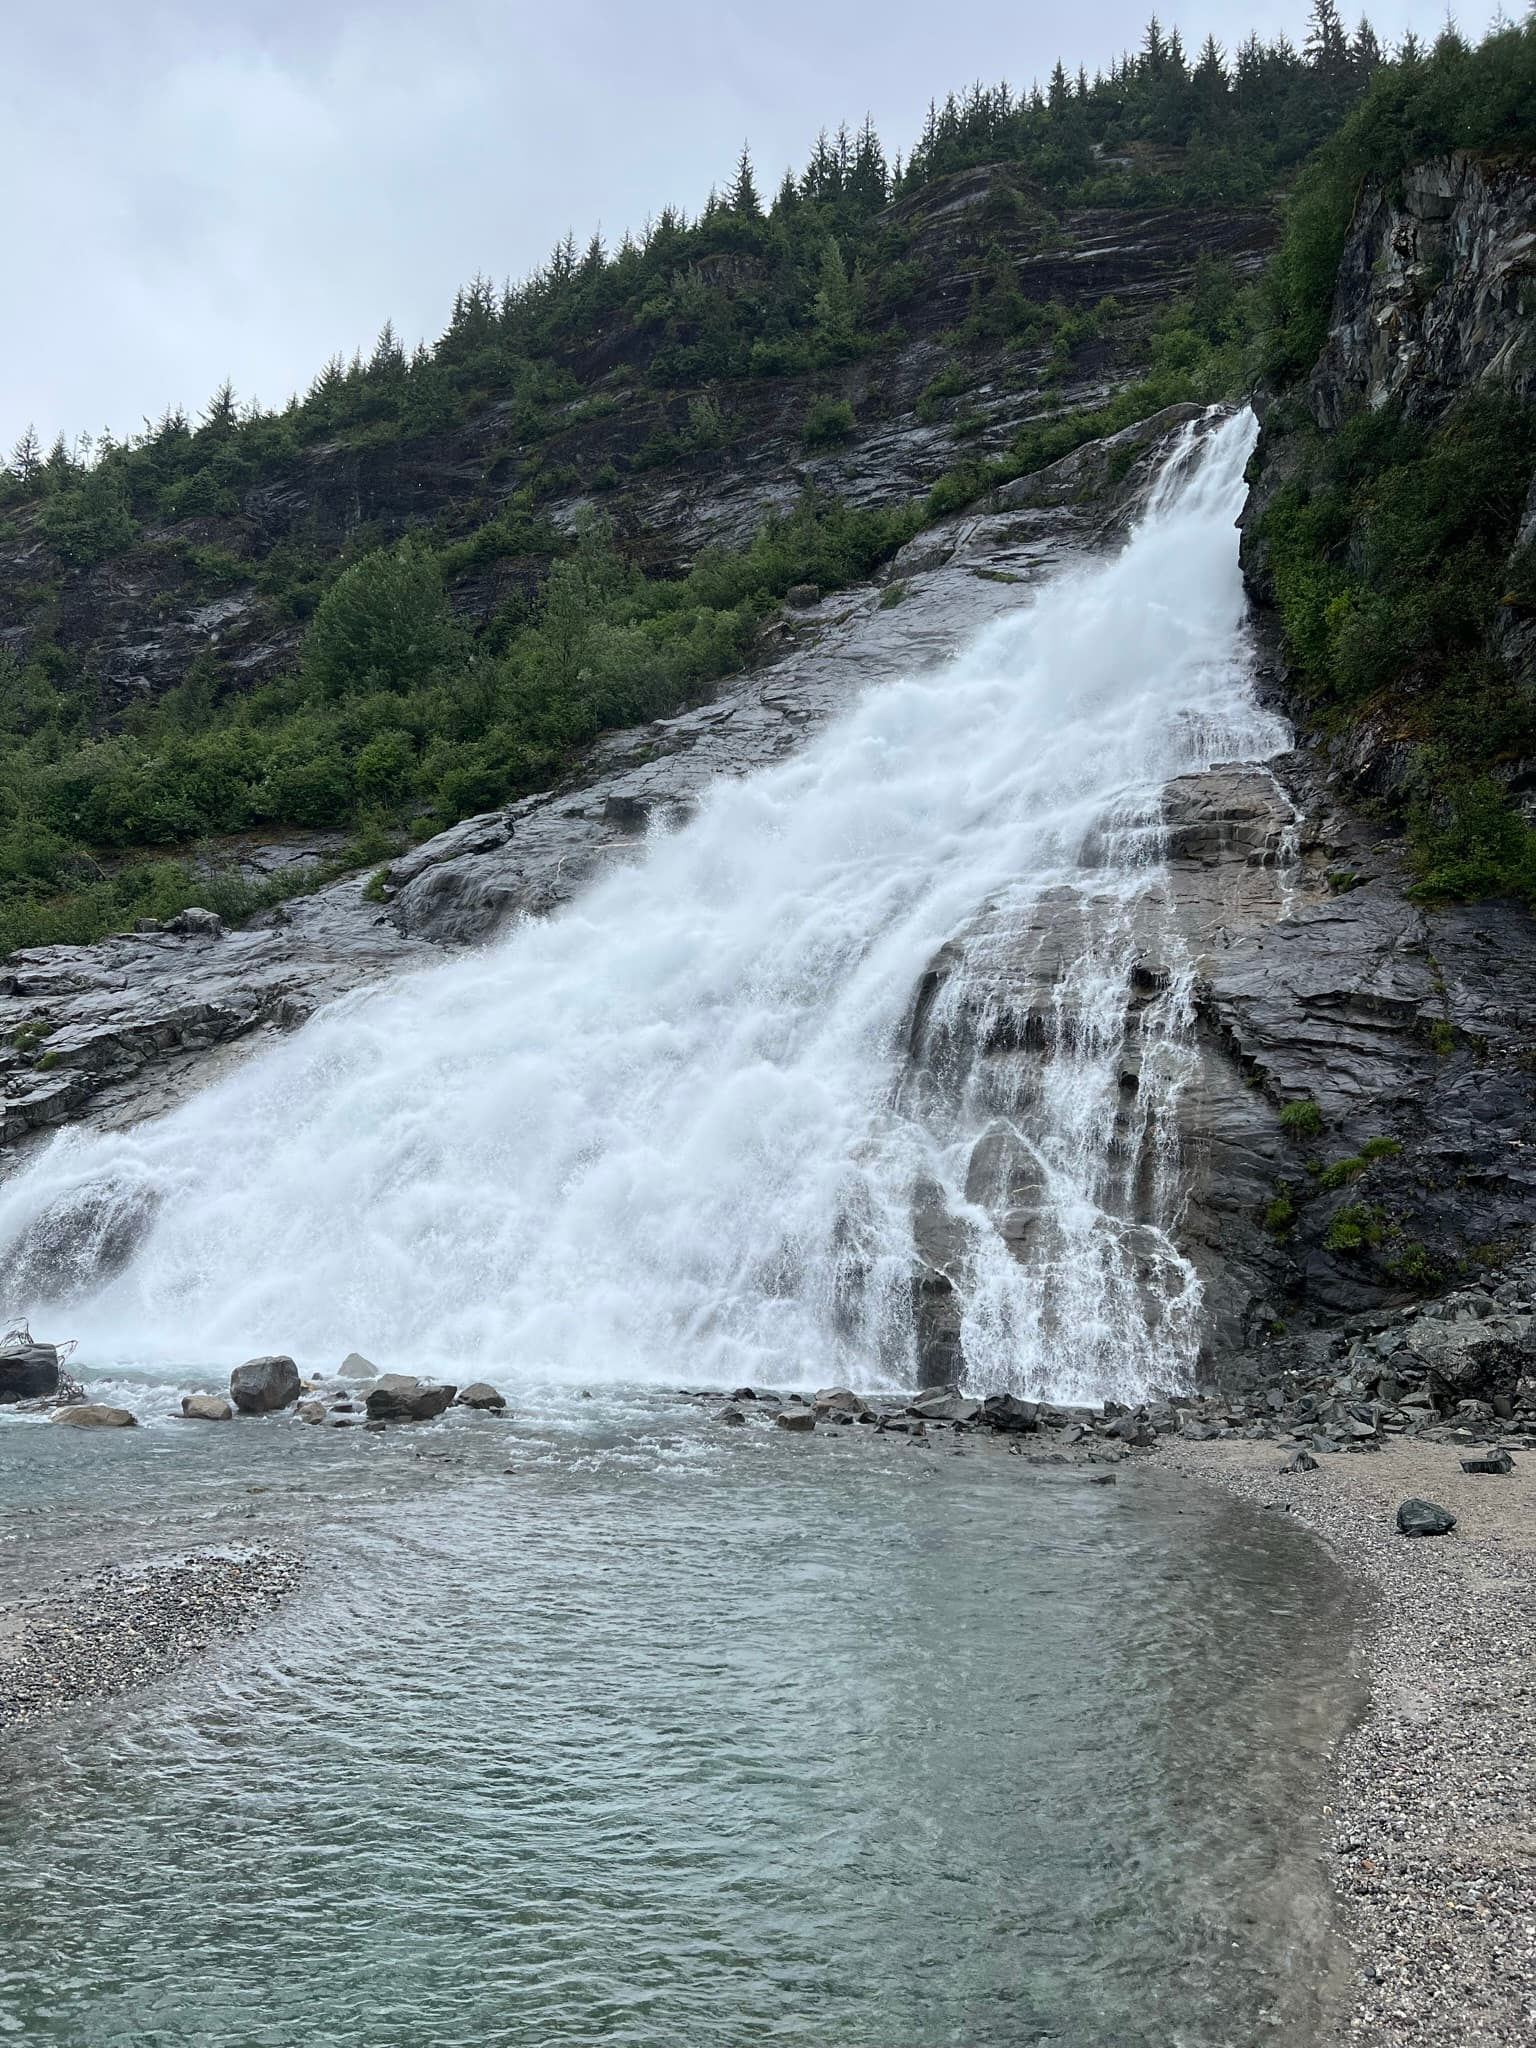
1436, 292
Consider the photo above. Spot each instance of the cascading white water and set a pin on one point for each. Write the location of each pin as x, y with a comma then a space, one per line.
664, 1135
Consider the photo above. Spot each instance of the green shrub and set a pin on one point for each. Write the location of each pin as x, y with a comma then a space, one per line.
1280, 1216
829, 421
1301, 1119
1353, 1229
1380, 1148
1341, 1172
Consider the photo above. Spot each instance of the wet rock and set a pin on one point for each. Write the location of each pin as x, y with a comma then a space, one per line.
355, 1367
732, 1416
311, 1411
800, 1420
399, 1397
1424, 1518
1007, 1412
96, 1415
944, 1404
1493, 1461
743, 1394
263, 1385
839, 1401
481, 1394
206, 1408
28, 1372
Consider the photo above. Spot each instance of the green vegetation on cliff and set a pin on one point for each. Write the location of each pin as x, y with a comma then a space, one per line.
410, 669
1390, 543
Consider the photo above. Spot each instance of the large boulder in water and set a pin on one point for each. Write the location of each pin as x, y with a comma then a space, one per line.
481, 1394
206, 1408
96, 1415
262, 1385
28, 1372
400, 1398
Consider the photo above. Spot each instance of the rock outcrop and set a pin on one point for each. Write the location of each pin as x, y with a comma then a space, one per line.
28, 1372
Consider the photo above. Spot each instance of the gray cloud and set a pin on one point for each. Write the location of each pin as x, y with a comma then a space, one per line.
242, 190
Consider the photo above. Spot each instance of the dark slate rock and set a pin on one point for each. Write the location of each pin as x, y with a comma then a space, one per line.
28, 1372
1494, 1461
481, 1394
262, 1385
399, 1397
1302, 1462
800, 1420
1424, 1518
1008, 1412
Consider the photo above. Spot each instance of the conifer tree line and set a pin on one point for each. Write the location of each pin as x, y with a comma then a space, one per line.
824, 258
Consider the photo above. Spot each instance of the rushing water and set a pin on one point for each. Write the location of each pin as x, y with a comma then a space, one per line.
678, 1736
668, 1124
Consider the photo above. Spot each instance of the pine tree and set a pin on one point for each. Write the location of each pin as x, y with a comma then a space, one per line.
27, 456
1327, 46
743, 199
1365, 52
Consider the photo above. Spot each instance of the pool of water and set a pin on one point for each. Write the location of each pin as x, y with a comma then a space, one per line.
672, 1735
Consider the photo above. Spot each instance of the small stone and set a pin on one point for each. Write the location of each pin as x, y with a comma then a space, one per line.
311, 1411
1424, 1518
206, 1408
96, 1415
1302, 1462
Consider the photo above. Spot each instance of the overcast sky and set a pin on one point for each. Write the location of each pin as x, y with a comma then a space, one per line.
243, 188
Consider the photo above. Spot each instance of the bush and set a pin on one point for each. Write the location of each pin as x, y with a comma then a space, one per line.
385, 624
828, 422
1301, 1119
1354, 1229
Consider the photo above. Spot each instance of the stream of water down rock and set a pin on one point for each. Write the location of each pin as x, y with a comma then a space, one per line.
670, 1734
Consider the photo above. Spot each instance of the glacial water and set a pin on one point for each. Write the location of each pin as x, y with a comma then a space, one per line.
664, 1134
680, 1737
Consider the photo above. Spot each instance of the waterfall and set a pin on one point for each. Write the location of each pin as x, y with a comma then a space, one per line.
679, 1132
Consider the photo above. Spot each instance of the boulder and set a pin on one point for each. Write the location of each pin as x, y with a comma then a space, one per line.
1494, 1461
311, 1411
28, 1372
96, 1415
732, 1416
263, 1385
206, 1408
838, 1401
400, 1398
801, 1420
1424, 1518
196, 924
944, 1404
481, 1394
743, 1394
1008, 1412
355, 1367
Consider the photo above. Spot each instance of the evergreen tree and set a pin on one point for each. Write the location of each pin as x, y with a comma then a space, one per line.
27, 456
1365, 52
1327, 46
743, 199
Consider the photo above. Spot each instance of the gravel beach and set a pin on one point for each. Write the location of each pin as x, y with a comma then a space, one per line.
1431, 1833
96, 1637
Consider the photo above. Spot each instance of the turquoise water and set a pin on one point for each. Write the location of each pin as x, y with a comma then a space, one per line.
675, 1736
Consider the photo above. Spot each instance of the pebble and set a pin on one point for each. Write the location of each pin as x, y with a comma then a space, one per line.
97, 1638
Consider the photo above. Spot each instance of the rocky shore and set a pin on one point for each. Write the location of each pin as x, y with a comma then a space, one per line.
1431, 1833
95, 1638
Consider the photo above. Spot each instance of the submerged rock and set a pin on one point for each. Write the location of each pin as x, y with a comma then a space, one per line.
481, 1394
96, 1415
263, 1385
206, 1408
733, 1417
1424, 1518
28, 1372
400, 1398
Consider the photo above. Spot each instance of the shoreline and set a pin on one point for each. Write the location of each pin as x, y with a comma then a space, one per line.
98, 1636
1429, 1837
